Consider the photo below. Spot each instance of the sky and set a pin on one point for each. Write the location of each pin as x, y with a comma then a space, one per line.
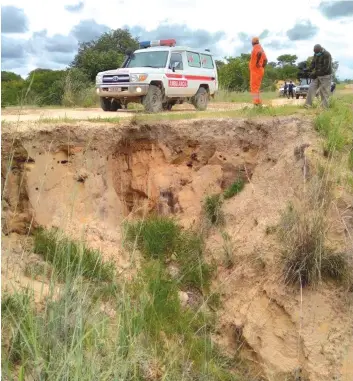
46, 33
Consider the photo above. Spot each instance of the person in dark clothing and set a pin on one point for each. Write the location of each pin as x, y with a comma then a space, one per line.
285, 89
291, 89
333, 87
321, 71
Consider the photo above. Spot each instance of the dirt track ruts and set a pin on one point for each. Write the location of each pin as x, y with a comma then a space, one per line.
33, 114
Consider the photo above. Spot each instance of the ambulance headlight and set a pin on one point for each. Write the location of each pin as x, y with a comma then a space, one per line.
99, 78
138, 77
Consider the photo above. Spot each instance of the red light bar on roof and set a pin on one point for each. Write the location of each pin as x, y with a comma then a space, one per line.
148, 44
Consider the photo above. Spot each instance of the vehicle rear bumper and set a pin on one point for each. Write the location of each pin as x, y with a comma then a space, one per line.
122, 90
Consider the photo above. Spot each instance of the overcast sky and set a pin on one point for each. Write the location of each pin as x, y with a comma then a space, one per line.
45, 33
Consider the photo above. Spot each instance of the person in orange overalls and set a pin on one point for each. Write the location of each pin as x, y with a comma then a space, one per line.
257, 64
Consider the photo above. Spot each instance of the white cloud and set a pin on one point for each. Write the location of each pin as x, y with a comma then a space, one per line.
251, 18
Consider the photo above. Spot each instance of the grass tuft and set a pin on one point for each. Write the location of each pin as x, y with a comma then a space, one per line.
69, 258
234, 189
212, 207
159, 237
156, 237
306, 260
228, 249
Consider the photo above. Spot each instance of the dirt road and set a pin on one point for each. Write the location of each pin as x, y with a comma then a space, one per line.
14, 114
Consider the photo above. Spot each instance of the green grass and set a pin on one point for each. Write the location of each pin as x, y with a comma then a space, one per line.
155, 237
212, 208
37, 269
145, 334
69, 258
68, 120
335, 124
161, 238
242, 97
234, 189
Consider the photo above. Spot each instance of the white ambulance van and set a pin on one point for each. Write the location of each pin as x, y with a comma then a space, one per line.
160, 75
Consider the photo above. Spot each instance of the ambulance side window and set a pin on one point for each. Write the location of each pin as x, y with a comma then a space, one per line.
207, 62
176, 60
193, 59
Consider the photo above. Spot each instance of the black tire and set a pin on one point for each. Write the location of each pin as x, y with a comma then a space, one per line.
297, 96
200, 100
115, 105
105, 104
108, 104
152, 101
168, 106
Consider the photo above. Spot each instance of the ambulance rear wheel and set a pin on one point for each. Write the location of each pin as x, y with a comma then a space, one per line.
168, 106
200, 100
152, 101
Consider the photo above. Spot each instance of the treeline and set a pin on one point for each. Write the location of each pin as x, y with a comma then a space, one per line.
71, 87
234, 72
75, 85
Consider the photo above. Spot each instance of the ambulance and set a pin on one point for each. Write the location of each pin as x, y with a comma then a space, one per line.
159, 75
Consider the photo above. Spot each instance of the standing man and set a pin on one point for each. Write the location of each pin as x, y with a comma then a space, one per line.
291, 89
285, 89
321, 70
257, 64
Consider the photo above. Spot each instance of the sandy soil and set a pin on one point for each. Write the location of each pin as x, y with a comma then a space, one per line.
33, 114
99, 177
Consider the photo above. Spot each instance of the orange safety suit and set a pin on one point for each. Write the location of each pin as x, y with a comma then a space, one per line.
257, 70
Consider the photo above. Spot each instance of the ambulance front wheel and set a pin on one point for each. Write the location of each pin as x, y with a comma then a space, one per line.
200, 100
152, 101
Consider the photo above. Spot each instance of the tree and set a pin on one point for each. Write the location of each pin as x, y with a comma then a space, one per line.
75, 87
219, 64
105, 53
7, 76
12, 88
287, 59
42, 85
234, 75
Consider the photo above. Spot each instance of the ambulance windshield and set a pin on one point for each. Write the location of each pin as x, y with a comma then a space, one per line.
148, 59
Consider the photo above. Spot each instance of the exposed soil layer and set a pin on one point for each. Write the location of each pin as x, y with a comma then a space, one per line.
87, 180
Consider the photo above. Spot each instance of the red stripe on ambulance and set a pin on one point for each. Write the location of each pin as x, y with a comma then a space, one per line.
199, 78
174, 75
191, 77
